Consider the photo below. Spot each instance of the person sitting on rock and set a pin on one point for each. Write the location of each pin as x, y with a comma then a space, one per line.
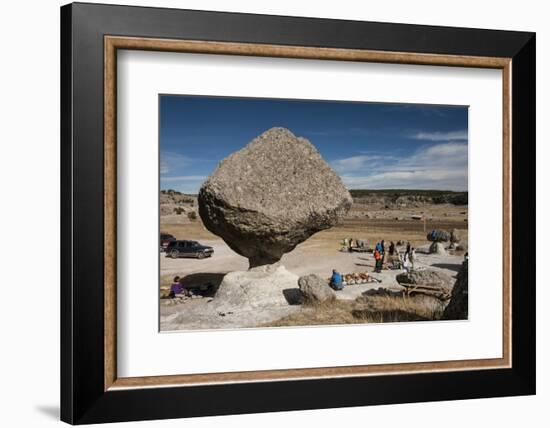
336, 280
175, 288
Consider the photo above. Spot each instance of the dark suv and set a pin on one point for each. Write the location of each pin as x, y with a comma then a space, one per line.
177, 249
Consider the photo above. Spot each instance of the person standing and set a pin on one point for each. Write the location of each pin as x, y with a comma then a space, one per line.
397, 256
408, 250
377, 260
412, 258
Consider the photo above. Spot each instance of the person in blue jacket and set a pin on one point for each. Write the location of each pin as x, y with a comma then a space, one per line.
336, 280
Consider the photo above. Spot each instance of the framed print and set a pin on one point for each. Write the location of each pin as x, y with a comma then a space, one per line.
265, 213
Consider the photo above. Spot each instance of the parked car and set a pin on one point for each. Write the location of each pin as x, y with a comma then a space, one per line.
165, 239
177, 249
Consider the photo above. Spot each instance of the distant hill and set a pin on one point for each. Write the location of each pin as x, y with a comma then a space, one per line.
405, 197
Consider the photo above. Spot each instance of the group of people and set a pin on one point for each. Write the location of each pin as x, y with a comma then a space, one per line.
398, 261
349, 243
405, 261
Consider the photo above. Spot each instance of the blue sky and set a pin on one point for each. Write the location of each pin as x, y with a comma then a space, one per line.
370, 145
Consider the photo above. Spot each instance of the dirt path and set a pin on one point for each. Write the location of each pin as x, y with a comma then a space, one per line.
307, 258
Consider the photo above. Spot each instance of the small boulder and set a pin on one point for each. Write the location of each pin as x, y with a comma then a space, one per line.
425, 277
455, 236
315, 289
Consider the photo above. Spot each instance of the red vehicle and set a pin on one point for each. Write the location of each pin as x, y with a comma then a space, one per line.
165, 239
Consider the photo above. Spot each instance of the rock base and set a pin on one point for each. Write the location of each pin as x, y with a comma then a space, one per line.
438, 248
258, 288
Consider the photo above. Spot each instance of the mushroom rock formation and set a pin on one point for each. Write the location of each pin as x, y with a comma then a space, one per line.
273, 194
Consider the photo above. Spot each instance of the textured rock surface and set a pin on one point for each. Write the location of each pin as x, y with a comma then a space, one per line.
266, 198
426, 276
258, 288
437, 248
315, 289
457, 309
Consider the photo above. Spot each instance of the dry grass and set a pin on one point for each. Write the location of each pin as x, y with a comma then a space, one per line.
371, 309
446, 217
189, 230
372, 230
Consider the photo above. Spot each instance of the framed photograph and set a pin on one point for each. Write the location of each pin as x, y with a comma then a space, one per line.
267, 213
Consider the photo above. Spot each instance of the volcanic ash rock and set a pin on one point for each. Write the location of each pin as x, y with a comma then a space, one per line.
273, 194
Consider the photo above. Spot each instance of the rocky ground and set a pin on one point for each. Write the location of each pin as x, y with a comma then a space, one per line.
371, 218
307, 258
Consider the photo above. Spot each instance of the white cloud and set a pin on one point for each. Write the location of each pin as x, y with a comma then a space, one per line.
170, 161
354, 163
441, 136
427, 179
441, 166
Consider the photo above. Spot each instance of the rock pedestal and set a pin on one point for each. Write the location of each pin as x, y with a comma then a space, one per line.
437, 248
264, 287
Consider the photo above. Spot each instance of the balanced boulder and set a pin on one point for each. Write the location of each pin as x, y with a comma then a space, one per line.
438, 236
273, 194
